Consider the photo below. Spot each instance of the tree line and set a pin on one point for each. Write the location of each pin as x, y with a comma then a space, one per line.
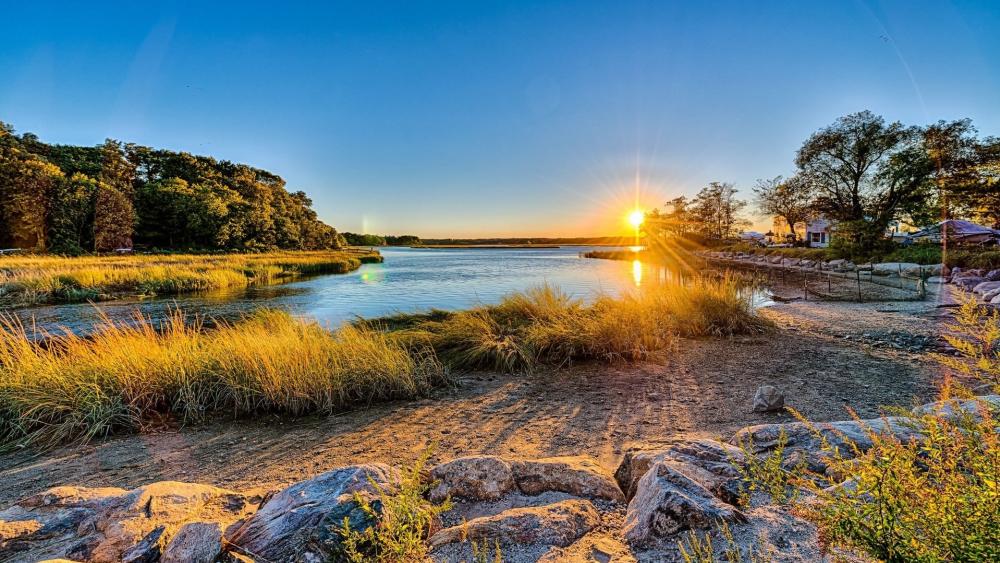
355, 239
72, 199
864, 173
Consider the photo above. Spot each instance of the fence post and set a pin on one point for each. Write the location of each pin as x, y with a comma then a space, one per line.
858, 272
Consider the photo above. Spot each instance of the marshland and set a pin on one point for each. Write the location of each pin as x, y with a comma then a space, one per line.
508, 282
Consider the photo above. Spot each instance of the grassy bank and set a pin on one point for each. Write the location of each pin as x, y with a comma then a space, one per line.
26, 280
545, 327
918, 253
127, 377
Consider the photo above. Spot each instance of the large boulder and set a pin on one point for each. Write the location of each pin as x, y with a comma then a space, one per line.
842, 436
709, 462
986, 286
768, 399
196, 542
104, 525
668, 502
300, 521
954, 409
580, 476
476, 478
558, 524
898, 268
993, 275
967, 282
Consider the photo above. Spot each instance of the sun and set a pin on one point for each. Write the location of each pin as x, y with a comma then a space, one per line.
636, 218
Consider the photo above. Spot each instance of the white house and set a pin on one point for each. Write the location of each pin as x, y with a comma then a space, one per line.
817, 232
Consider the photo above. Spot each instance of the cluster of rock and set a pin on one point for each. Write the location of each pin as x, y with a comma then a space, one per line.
978, 281
553, 509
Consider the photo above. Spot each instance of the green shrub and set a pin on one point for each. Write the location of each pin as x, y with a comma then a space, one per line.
936, 498
403, 520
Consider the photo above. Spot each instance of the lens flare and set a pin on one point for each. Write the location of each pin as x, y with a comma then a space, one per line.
636, 218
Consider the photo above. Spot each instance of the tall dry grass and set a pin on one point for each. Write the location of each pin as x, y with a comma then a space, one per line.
544, 326
126, 376
31, 279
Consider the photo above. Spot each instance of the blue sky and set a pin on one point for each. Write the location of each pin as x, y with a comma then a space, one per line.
481, 118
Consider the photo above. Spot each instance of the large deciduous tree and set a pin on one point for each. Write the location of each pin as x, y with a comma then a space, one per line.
716, 211
866, 172
791, 199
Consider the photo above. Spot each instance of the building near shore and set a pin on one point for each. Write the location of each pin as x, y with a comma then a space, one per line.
817, 232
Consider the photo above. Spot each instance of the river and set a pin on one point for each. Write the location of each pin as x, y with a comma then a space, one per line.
409, 280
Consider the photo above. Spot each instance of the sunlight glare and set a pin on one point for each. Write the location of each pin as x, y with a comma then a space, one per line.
636, 218
637, 272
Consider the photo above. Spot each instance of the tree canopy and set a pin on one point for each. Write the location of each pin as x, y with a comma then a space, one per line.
72, 199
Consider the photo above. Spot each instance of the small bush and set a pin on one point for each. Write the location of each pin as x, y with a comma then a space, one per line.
767, 474
932, 498
403, 520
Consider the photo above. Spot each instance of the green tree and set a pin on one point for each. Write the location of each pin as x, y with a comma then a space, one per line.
716, 211
790, 199
71, 216
114, 212
866, 172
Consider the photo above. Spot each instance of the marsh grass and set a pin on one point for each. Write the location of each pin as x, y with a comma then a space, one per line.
545, 327
26, 280
127, 376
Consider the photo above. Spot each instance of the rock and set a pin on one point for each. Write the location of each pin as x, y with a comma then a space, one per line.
558, 524
839, 435
473, 478
993, 275
967, 282
897, 268
938, 279
989, 295
590, 549
297, 521
768, 399
579, 476
952, 409
708, 462
112, 524
966, 273
986, 286
790, 262
197, 542
148, 549
667, 502
995, 300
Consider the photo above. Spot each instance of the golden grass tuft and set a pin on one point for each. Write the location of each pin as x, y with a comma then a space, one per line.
126, 375
543, 326
31, 279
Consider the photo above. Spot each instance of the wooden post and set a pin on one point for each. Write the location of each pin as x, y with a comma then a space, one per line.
858, 272
829, 284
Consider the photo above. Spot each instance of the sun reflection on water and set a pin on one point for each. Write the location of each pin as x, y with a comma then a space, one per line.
637, 272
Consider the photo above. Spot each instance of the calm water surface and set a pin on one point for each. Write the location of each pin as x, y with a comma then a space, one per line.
409, 280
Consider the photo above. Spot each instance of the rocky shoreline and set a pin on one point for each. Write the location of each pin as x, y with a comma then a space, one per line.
985, 285
551, 509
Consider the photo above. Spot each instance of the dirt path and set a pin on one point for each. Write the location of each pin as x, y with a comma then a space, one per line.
703, 387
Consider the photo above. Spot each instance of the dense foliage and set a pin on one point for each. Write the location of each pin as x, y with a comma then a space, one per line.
355, 239
70, 199
864, 174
